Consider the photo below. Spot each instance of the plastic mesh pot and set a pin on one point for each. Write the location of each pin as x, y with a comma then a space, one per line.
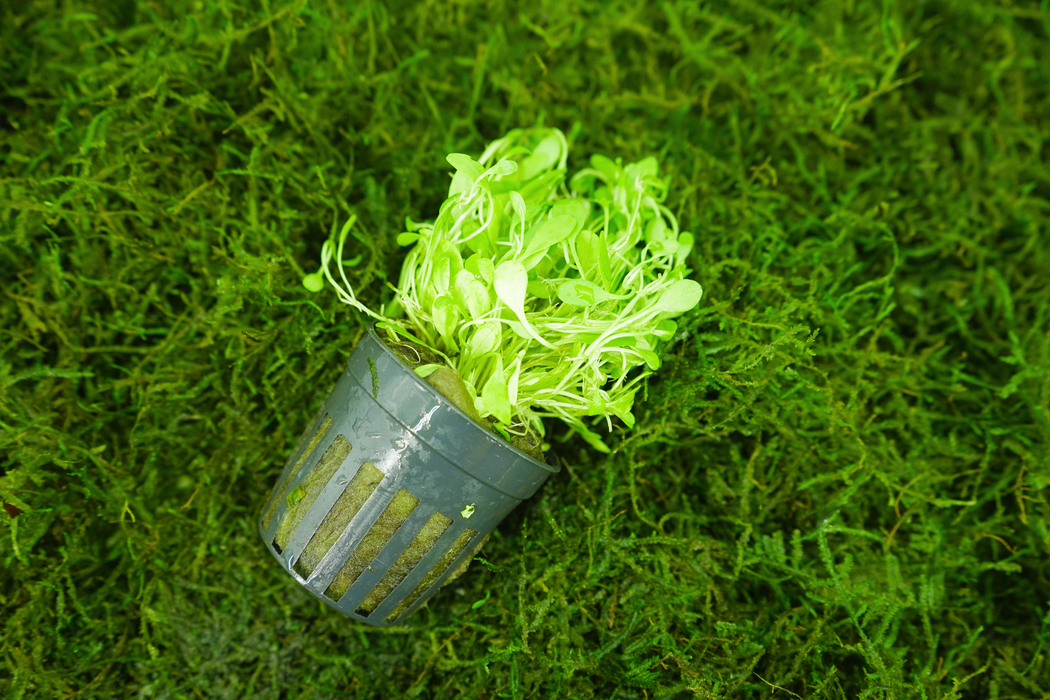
390, 491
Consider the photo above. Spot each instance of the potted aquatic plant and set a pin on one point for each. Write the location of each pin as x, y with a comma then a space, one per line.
527, 298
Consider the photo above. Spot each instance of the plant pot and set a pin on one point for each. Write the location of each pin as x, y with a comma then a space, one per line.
390, 491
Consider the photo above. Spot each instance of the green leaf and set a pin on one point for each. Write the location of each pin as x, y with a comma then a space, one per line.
603, 196
604, 264
485, 339
586, 246
471, 293
442, 275
663, 248
314, 282
478, 603
505, 168
680, 297
575, 207
495, 394
294, 496
592, 438
446, 319
511, 283
540, 188
540, 289
461, 182
665, 329
646, 168
519, 206
685, 245
621, 408
480, 243
466, 165
447, 265
407, 238
610, 171
579, 292
545, 234
546, 154
625, 341
512, 384
584, 180
481, 266
650, 357
519, 330
656, 230
424, 371
346, 228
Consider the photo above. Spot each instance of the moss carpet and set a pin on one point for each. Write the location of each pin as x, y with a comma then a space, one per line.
838, 484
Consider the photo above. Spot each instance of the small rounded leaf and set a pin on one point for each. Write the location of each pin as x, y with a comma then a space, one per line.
485, 339
471, 293
497, 398
466, 165
680, 297
665, 329
505, 167
578, 292
314, 282
511, 283
545, 234
685, 244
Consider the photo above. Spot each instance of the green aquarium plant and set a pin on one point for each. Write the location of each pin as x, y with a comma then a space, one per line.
525, 298
534, 297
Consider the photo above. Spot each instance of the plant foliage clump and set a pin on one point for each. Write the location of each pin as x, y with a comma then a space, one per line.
545, 300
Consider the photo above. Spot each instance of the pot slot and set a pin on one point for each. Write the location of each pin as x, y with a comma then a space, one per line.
301, 499
335, 521
422, 543
394, 515
439, 568
314, 439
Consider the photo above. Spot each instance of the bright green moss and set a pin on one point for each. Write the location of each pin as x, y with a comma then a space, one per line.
308, 442
357, 491
402, 567
301, 499
372, 543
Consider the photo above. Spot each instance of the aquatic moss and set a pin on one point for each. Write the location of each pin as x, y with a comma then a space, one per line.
307, 443
301, 498
372, 542
422, 543
837, 486
358, 490
436, 571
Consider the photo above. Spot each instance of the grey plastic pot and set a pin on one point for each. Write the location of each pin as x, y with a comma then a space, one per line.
390, 491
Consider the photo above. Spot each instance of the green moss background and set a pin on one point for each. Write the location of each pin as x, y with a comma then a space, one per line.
838, 486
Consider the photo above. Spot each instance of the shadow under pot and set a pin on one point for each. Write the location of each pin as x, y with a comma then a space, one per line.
390, 492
